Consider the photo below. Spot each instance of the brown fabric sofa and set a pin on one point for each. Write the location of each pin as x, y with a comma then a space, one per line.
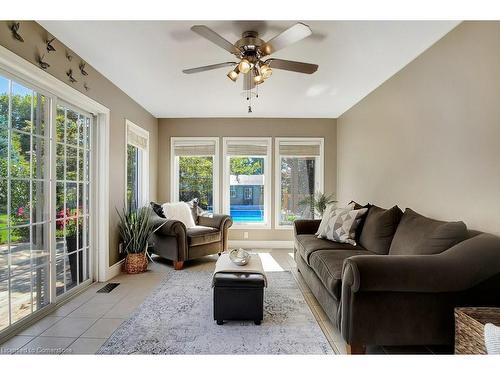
400, 291
177, 243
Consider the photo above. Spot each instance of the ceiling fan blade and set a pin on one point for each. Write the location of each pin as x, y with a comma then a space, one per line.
208, 67
291, 35
215, 38
248, 83
293, 66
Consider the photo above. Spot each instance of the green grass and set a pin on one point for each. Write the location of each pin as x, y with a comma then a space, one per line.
3, 233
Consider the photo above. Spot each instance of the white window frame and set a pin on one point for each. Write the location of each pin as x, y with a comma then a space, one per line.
267, 224
143, 177
174, 167
319, 172
21, 70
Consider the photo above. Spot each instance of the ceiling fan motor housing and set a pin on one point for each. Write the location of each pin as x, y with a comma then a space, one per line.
249, 44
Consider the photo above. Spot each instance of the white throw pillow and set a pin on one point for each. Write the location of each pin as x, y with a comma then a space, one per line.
492, 338
329, 212
179, 211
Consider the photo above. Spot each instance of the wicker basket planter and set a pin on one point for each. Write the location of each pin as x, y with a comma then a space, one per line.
469, 328
135, 263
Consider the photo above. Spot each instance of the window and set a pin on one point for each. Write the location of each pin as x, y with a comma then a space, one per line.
247, 172
248, 193
299, 166
137, 166
195, 168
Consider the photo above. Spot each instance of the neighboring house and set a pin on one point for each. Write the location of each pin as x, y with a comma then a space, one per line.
246, 190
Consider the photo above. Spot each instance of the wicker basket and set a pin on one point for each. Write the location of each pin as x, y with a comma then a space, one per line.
469, 328
135, 263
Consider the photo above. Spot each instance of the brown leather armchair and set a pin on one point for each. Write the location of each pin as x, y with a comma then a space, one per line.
177, 243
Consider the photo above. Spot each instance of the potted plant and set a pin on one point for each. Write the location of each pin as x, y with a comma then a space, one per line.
68, 228
318, 202
136, 229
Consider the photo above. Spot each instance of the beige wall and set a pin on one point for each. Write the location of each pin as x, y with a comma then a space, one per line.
102, 90
240, 127
429, 137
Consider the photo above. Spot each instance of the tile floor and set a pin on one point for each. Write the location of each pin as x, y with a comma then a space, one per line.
84, 323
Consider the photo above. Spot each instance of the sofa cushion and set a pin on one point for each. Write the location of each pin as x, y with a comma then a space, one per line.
327, 265
200, 235
420, 235
361, 224
306, 244
379, 228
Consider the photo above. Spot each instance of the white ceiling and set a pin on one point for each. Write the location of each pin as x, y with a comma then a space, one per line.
145, 60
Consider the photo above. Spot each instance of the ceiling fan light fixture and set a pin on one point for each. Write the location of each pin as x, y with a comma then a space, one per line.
266, 71
233, 74
258, 79
244, 66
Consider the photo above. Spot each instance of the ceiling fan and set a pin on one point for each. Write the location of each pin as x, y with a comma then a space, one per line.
251, 52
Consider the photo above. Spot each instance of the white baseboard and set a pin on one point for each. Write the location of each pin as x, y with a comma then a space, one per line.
246, 244
113, 270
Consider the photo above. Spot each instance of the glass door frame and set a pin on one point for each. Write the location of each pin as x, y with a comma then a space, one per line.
15, 68
53, 182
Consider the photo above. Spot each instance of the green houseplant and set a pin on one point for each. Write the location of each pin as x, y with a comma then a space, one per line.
136, 229
318, 202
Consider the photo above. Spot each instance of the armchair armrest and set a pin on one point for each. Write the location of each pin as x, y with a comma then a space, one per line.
303, 226
167, 227
459, 268
215, 221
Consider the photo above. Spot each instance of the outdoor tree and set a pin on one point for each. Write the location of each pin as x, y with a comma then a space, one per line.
196, 179
241, 166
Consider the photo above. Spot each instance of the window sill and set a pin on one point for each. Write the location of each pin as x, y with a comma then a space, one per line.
250, 226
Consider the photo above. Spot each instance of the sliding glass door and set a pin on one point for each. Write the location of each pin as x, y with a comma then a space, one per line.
73, 149
24, 210
44, 218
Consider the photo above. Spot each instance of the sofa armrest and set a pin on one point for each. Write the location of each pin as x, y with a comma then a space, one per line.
215, 221
459, 268
167, 227
303, 226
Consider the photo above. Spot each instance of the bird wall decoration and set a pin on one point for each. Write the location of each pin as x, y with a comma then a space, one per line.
82, 69
50, 47
43, 64
69, 73
15, 32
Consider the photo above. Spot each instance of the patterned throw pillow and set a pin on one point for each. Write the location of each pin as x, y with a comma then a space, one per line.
329, 212
341, 226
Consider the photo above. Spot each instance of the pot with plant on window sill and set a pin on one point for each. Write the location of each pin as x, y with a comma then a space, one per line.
136, 228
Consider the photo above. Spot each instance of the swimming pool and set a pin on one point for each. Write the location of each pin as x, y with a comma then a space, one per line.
252, 214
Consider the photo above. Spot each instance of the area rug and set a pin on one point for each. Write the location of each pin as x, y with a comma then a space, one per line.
177, 318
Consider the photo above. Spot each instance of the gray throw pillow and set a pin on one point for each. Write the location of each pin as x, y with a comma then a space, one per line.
196, 210
420, 235
379, 227
341, 226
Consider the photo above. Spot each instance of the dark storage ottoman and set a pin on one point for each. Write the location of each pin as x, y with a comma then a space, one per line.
238, 296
